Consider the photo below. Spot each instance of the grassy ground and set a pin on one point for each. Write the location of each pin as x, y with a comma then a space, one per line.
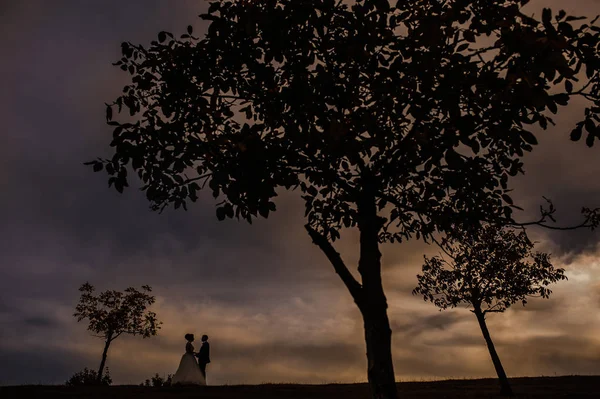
526, 388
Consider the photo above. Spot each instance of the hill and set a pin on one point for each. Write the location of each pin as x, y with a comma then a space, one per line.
572, 387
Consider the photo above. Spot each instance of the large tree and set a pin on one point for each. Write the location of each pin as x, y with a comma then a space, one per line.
113, 313
399, 120
487, 271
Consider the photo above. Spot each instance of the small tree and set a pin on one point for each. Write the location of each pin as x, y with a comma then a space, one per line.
113, 313
488, 272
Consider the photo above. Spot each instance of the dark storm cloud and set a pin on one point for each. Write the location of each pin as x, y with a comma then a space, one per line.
265, 293
39, 322
66, 212
417, 323
48, 367
565, 172
57, 90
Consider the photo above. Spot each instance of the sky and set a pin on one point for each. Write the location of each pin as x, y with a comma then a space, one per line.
273, 307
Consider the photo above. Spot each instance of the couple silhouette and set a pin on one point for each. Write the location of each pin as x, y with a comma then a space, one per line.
190, 371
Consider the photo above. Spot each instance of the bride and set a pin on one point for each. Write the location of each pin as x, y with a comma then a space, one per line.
188, 372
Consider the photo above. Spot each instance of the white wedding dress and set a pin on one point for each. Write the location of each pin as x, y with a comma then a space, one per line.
188, 372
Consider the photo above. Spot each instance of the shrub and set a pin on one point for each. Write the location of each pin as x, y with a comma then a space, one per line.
88, 377
158, 381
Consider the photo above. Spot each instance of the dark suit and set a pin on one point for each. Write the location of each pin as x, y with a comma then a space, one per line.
204, 357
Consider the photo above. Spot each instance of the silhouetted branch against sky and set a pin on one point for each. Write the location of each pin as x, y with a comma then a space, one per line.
489, 270
112, 313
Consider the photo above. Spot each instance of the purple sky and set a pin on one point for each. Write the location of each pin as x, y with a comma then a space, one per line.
273, 307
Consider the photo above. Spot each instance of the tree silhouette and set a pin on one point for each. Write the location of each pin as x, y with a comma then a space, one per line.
401, 121
113, 313
489, 272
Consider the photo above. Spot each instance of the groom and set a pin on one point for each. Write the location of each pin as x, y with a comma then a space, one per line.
204, 355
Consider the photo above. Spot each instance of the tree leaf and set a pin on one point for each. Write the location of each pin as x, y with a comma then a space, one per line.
462, 47
469, 36
507, 199
589, 141
568, 86
263, 210
576, 133
221, 213
590, 126
547, 16
528, 137
452, 158
562, 99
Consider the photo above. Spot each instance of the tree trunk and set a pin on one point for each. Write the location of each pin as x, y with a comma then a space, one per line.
380, 368
372, 303
103, 362
369, 295
505, 388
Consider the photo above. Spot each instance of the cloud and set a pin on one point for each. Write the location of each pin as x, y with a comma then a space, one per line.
47, 367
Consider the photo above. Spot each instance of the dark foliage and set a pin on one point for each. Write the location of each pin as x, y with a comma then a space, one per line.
89, 377
117, 312
407, 97
490, 271
158, 381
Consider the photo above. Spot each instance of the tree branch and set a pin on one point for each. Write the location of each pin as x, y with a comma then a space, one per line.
491, 310
591, 219
336, 260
